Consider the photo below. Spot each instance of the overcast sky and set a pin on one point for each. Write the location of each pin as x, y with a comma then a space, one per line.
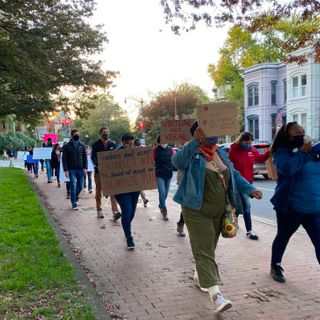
149, 57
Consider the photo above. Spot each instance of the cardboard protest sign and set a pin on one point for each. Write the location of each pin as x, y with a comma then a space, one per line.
54, 137
31, 160
42, 153
126, 170
22, 155
175, 131
272, 170
218, 119
62, 176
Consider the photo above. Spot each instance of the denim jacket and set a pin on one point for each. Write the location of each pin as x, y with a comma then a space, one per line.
192, 164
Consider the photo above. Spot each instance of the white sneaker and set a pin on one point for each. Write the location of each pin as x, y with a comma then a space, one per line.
100, 214
252, 235
221, 304
197, 283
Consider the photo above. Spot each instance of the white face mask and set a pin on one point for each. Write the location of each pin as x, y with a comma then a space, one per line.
164, 145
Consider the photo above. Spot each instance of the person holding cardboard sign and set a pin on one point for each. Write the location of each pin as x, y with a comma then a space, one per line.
208, 183
103, 144
128, 201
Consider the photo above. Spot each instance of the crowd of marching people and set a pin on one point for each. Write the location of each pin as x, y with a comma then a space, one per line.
210, 182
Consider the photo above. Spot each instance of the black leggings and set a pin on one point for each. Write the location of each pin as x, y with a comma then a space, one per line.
288, 223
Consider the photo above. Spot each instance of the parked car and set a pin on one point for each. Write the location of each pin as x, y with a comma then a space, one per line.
258, 168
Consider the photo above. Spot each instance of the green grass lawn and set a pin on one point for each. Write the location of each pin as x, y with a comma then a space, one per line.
36, 281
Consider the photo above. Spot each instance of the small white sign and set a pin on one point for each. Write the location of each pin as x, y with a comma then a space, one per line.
62, 176
22, 155
90, 164
42, 153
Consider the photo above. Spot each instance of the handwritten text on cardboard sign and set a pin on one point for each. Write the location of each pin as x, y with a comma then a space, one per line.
218, 119
126, 170
175, 131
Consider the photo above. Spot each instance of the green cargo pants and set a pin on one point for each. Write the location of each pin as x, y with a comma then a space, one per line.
204, 231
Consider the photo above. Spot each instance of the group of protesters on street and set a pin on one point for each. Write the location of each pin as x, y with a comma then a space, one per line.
208, 179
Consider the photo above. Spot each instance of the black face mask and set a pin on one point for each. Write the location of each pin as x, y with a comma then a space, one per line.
297, 141
105, 136
76, 137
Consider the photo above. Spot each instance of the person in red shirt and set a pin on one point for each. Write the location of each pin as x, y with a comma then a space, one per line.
244, 155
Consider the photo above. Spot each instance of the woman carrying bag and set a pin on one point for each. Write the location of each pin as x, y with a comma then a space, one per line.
208, 183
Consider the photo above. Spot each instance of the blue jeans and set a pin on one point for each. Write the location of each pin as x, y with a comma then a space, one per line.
163, 189
76, 184
49, 169
246, 206
288, 223
128, 203
35, 168
89, 174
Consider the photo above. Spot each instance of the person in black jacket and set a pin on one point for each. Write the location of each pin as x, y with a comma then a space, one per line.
162, 154
103, 144
55, 161
75, 165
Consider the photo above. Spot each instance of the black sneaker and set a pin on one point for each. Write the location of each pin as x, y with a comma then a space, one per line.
116, 216
277, 273
130, 244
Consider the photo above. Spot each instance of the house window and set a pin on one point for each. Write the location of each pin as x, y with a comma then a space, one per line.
303, 85
299, 86
295, 87
273, 93
254, 127
284, 91
301, 118
253, 95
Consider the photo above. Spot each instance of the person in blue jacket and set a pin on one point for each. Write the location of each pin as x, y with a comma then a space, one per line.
297, 194
208, 180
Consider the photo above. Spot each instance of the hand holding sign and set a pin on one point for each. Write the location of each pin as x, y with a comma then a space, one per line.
218, 119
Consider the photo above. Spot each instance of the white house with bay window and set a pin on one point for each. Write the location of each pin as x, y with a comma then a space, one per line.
276, 93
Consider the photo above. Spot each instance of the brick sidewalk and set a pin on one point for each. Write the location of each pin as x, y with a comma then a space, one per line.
154, 281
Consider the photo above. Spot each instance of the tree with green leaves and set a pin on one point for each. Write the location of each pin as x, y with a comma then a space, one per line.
178, 102
46, 45
253, 15
105, 113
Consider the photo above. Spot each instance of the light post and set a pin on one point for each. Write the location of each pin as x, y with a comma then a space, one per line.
141, 101
176, 116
